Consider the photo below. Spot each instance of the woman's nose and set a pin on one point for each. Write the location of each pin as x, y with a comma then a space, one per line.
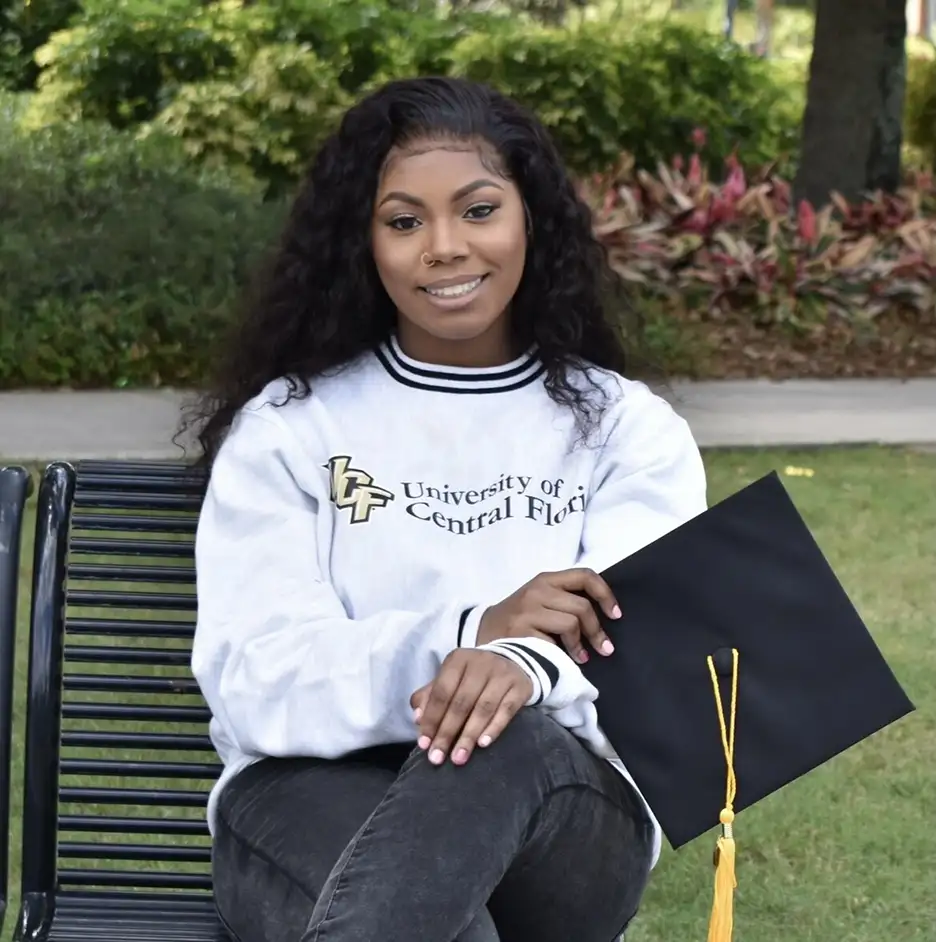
446, 243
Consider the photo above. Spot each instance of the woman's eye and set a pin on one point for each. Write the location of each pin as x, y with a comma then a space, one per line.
406, 223
480, 210
403, 223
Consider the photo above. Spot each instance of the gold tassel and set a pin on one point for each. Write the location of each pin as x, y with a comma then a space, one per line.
721, 925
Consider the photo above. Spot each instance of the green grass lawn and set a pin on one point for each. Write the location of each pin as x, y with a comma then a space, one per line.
848, 853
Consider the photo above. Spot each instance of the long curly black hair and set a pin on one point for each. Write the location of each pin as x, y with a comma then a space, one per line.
322, 304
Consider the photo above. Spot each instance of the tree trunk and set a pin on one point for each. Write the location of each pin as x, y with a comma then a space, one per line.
883, 171
855, 79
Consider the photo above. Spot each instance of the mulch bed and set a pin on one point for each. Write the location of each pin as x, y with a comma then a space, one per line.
901, 345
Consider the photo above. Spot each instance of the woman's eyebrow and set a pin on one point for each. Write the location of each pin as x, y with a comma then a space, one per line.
460, 193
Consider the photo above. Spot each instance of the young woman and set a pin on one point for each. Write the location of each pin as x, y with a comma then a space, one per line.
423, 450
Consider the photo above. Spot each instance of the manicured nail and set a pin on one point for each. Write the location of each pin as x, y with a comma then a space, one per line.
607, 647
583, 657
437, 757
484, 741
616, 611
461, 755
424, 742
417, 714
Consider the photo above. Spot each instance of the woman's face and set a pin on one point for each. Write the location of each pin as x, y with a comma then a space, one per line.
449, 241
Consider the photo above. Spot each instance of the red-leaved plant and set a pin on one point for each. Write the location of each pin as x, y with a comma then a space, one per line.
741, 244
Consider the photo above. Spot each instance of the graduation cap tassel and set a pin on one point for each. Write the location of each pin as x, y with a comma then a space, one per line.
721, 925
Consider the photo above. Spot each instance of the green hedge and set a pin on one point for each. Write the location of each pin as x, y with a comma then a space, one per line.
124, 61
119, 261
603, 91
259, 85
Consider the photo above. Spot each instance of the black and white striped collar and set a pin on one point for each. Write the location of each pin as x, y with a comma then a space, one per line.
458, 379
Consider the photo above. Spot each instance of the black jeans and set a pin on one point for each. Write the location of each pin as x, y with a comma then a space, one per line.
534, 840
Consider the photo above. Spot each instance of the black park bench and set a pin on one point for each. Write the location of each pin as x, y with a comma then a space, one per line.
118, 763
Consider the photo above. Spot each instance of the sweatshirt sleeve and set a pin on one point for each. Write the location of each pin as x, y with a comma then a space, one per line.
282, 667
649, 479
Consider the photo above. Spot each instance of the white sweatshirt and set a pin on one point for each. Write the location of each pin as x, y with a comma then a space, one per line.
350, 540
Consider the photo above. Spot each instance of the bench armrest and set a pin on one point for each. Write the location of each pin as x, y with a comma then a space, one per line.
15, 489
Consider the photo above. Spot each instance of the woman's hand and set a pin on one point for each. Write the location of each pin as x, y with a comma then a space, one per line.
548, 604
471, 701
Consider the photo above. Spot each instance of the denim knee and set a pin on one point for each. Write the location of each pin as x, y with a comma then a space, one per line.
533, 750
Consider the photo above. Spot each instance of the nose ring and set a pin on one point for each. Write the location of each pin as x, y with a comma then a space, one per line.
427, 259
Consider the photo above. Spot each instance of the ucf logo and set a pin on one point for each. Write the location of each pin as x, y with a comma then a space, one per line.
351, 487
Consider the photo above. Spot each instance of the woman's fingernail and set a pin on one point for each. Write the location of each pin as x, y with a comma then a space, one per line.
424, 742
607, 647
583, 657
616, 611
437, 757
417, 714
460, 756
484, 741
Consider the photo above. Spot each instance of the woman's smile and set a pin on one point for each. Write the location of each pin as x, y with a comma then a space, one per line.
451, 294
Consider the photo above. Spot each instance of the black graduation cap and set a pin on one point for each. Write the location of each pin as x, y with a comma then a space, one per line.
742, 591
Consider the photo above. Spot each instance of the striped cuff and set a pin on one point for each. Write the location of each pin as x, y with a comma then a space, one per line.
542, 672
468, 626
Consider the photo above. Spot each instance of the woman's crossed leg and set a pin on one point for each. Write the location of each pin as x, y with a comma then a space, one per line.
535, 835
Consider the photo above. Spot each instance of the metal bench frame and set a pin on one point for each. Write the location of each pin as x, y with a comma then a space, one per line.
91, 519
15, 489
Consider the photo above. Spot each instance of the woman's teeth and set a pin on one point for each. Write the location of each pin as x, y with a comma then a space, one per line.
454, 291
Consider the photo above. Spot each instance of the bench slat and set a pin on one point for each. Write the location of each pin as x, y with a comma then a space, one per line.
108, 654
144, 797
133, 467
155, 499
91, 850
131, 627
136, 769
102, 683
136, 713
111, 927
152, 601
77, 902
101, 572
150, 481
118, 741
131, 878
109, 824
117, 546
134, 522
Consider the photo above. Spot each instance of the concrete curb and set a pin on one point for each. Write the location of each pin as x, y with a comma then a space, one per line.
44, 426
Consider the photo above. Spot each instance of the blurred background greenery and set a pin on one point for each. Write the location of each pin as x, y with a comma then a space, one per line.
148, 147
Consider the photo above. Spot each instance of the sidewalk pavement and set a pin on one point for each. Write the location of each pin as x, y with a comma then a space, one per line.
44, 426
